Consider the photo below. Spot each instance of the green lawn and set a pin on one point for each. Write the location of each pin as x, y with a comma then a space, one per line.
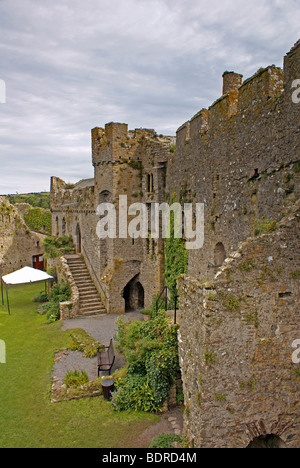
27, 418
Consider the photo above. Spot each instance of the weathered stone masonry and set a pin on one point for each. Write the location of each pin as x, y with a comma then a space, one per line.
127, 272
238, 323
18, 244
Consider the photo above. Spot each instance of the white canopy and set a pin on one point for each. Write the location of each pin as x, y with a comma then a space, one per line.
26, 275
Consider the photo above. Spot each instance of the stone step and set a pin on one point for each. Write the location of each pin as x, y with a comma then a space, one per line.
89, 293
89, 299
92, 309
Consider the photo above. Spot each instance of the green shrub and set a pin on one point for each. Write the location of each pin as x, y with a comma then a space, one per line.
164, 440
42, 297
264, 226
176, 256
150, 350
75, 378
60, 292
36, 218
57, 246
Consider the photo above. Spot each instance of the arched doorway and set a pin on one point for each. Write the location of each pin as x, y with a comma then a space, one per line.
267, 441
78, 239
219, 254
141, 295
133, 295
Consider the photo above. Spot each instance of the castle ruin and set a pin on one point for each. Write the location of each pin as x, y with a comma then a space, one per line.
239, 301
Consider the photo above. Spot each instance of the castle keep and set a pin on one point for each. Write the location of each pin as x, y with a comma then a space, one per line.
239, 301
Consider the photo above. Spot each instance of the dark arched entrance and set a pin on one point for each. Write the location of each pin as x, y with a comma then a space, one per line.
133, 295
267, 441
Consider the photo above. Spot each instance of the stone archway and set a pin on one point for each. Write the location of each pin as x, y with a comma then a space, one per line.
219, 254
133, 294
267, 441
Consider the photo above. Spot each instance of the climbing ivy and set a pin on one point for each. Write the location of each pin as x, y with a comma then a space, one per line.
176, 257
36, 218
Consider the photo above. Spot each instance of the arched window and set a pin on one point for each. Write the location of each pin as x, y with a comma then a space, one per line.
105, 197
219, 254
78, 239
149, 183
57, 226
63, 226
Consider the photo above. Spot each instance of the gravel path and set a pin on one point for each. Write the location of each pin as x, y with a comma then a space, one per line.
102, 328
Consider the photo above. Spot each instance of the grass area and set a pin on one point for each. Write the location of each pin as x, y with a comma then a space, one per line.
27, 418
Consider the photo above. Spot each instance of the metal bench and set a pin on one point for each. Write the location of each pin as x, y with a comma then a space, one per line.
106, 358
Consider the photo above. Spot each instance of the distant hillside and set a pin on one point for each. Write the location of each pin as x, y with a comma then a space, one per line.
41, 199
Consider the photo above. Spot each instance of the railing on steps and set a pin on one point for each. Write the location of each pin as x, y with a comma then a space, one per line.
94, 273
167, 297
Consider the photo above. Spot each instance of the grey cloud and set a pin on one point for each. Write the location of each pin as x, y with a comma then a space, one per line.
70, 66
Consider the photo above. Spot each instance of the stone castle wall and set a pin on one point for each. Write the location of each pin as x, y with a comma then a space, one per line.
240, 158
236, 335
17, 243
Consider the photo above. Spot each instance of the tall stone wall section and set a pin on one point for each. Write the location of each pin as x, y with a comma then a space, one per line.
236, 336
240, 158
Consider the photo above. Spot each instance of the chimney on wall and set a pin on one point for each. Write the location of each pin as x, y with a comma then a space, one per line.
231, 81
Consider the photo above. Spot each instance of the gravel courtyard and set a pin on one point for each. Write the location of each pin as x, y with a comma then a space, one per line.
102, 328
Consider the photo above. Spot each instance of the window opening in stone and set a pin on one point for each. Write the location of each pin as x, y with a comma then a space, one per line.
219, 254
78, 239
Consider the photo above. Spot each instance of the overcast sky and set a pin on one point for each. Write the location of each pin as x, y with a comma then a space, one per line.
70, 65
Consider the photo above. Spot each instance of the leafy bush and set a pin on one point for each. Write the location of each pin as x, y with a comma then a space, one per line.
176, 256
151, 353
36, 218
133, 392
42, 297
57, 246
75, 378
60, 292
264, 226
164, 440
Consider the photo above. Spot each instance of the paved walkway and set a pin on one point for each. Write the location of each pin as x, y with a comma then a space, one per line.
102, 328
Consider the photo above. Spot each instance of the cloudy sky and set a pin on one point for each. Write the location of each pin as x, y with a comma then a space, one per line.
70, 65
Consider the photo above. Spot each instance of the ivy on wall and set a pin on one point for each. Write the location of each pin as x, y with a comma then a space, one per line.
36, 218
176, 257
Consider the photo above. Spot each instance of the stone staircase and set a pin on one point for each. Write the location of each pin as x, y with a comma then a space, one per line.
89, 299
